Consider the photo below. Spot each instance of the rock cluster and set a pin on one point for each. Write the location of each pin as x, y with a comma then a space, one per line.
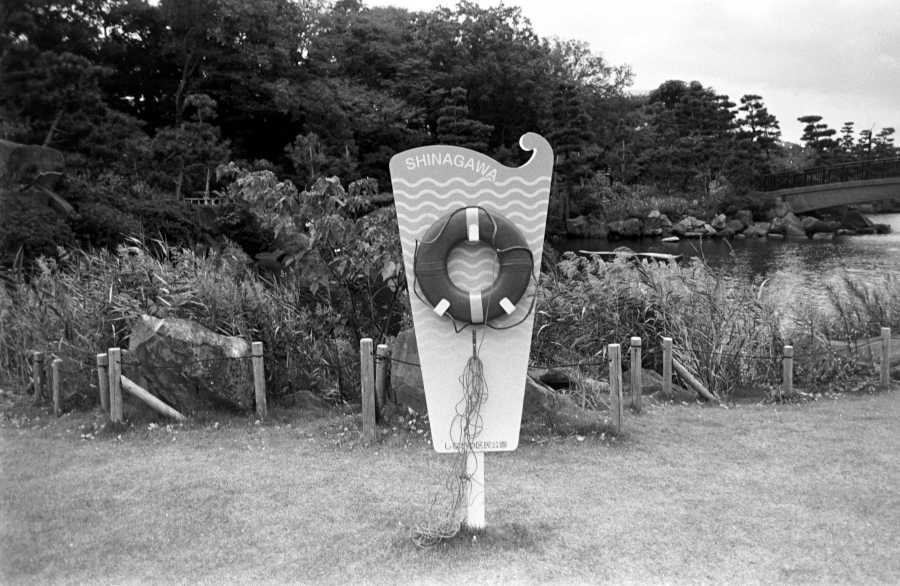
782, 222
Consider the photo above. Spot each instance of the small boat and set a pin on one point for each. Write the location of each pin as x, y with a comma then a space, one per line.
632, 255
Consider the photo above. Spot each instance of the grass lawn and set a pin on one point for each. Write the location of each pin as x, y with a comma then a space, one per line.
754, 494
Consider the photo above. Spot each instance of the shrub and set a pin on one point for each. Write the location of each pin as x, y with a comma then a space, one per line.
169, 219
758, 202
33, 228
235, 221
102, 225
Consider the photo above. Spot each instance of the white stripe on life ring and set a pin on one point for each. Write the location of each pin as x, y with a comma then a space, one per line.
475, 307
442, 307
472, 223
507, 306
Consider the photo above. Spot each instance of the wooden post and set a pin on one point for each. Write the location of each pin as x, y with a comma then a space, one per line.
103, 381
381, 375
116, 410
885, 358
367, 388
475, 492
636, 361
615, 386
149, 399
667, 367
787, 377
55, 383
259, 379
37, 377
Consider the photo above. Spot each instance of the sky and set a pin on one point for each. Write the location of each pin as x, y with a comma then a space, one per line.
839, 59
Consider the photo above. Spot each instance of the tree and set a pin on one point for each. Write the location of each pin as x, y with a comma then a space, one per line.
758, 125
863, 150
696, 139
569, 135
572, 61
454, 127
884, 144
495, 54
186, 156
817, 136
248, 56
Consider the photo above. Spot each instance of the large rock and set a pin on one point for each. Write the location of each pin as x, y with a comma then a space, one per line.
789, 225
745, 217
814, 226
780, 210
725, 233
653, 224
681, 228
736, 225
189, 366
719, 222
406, 378
30, 163
577, 226
752, 232
855, 221
541, 402
630, 228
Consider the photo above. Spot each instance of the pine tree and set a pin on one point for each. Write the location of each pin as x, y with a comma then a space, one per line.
817, 135
761, 127
884, 144
454, 127
570, 136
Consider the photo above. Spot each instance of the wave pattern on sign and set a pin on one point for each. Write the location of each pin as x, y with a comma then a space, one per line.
528, 210
473, 266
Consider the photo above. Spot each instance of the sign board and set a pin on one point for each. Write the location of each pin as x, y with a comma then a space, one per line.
429, 184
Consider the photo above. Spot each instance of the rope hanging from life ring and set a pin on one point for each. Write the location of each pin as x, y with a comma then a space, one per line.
515, 271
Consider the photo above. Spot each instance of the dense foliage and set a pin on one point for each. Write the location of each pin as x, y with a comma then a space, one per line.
160, 94
264, 103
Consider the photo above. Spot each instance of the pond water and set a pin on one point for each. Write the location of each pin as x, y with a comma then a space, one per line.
795, 268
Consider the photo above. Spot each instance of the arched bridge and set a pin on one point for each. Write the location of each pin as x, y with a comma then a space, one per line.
836, 185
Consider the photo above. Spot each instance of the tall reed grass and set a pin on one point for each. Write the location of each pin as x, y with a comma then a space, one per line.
84, 303
723, 331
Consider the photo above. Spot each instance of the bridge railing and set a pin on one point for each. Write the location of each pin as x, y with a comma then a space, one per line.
205, 201
859, 171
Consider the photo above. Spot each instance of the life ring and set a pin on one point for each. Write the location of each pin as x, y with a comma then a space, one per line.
516, 264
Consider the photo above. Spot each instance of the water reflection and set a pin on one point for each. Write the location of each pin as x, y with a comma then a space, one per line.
795, 268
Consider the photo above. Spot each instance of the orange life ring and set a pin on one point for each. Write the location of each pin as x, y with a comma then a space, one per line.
516, 264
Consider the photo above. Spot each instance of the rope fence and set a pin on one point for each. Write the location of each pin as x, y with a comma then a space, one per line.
373, 365
372, 384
